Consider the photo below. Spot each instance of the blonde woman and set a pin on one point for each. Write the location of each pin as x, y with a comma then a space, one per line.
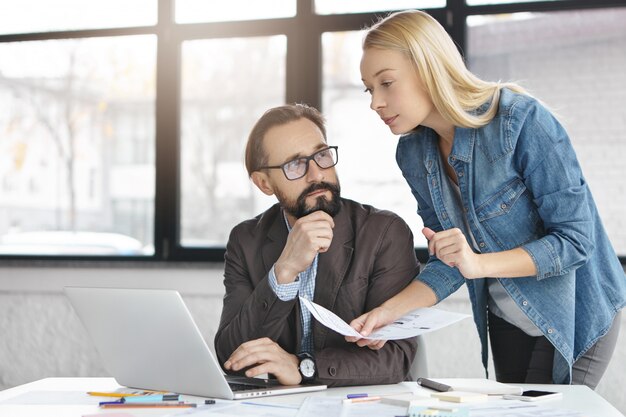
505, 206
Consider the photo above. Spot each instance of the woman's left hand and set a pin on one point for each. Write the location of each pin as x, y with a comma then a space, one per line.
451, 247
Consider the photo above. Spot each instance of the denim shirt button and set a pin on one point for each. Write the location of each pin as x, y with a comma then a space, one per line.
503, 206
481, 244
550, 330
524, 303
434, 183
444, 216
460, 174
452, 159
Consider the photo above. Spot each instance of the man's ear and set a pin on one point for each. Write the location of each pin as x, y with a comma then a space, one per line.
263, 183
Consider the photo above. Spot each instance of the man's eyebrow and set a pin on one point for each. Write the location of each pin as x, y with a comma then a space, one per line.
301, 155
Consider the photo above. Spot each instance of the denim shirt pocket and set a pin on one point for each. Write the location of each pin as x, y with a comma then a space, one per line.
510, 217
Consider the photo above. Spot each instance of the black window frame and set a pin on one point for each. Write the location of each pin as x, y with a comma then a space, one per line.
303, 84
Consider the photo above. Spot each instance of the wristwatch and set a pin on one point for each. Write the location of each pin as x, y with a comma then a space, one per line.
307, 366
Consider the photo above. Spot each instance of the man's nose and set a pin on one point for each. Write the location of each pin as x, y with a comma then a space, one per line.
314, 173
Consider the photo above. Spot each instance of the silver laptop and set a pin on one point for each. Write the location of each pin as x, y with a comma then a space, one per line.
148, 340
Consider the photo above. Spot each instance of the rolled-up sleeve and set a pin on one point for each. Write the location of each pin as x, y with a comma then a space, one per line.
441, 278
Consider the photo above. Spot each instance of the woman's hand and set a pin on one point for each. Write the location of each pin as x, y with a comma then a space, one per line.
369, 322
451, 247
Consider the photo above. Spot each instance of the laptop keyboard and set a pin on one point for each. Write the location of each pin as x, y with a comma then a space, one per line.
244, 387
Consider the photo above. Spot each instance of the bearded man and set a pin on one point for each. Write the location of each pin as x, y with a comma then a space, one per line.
345, 256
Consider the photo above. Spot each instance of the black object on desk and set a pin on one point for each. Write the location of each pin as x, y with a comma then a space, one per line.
434, 385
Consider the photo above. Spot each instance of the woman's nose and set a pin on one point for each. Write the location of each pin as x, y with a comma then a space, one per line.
376, 102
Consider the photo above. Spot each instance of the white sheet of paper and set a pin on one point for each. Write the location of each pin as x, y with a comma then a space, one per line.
240, 409
333, 406
514, 408
417, 322
54, 398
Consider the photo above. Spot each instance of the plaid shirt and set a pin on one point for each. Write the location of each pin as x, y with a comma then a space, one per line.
305, 285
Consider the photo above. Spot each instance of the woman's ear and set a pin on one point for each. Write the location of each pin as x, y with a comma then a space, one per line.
263, 183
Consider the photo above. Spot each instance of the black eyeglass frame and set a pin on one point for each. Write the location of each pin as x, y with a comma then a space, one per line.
308, 159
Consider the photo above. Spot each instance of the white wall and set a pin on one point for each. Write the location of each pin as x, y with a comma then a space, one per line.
40, 336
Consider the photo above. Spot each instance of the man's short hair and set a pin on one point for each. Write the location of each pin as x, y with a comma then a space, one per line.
256, 156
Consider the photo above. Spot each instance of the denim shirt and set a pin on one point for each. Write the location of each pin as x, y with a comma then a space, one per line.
522, 186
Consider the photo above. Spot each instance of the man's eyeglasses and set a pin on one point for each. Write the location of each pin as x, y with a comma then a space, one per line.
297, 168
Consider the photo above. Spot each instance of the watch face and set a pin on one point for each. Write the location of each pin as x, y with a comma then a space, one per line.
307, 367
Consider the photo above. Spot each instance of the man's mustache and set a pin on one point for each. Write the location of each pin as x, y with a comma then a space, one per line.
319, 186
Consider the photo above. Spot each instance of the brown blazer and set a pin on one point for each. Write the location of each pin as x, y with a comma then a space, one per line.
371, 258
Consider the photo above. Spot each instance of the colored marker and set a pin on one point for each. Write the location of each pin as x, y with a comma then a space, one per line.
356, 395
360, 400
113, 394
123, 394
151, 398
149, 405
110, 402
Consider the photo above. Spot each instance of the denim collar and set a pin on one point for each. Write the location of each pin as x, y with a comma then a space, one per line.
462, 148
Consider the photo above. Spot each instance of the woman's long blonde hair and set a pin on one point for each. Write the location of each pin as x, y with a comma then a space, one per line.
454, 90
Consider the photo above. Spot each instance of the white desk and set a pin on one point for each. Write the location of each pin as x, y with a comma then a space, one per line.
575, 397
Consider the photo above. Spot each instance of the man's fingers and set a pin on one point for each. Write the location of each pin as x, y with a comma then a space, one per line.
251, 359
316, 216
322, 215
243, 355
264, 368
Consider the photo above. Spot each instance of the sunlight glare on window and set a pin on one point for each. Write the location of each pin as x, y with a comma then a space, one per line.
363, 6
485, 2
25, 16
197, 11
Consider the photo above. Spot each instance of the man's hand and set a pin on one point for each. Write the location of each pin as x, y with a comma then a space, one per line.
451, 247
310, 235
368, 322
269, 358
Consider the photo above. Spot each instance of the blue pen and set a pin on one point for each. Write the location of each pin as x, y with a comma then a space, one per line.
150, 398
356, 396
110, 402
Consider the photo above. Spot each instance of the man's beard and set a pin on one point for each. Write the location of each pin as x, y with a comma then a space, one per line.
300, 209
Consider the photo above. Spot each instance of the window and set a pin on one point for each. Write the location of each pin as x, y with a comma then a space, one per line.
77, 120
221, 100
123, 126
482, 2
194, 11
360, 6
28, 16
